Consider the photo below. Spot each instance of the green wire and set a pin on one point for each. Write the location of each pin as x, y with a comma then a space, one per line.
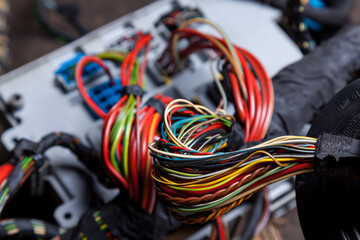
123, 123
25, 163
117, 132
4, 194
179, 173
118, 123
112, 56
211, 206
114, 145
126, 139
10, 226
180, 136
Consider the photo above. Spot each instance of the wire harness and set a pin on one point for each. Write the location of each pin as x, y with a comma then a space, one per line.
199, 180
250, 87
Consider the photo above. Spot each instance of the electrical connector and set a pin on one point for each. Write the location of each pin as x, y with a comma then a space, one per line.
65, 75
105, 95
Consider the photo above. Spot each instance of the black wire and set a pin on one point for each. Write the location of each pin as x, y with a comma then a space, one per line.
26, 229
25, 147
297, 27
226, 82
336, 14
85, 154
206, 134
255, 216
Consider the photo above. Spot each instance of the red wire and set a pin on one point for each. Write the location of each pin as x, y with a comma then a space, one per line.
144, 63
194, 194
133, 169
5, 170
214, 126
139, 182
137, 146
220, 225
108, 122
130, 59
267, 85
146, 132
260, 102
79, 81
151, 193
240, 106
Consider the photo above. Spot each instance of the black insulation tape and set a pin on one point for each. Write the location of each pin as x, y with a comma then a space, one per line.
337, 156
302, 88
337, 147
236, 138
85, 154
24, 146
25, 229
157, 104
123, 220
132, 90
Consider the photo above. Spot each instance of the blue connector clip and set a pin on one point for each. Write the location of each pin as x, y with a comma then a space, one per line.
105, 96
315, 26
65, 75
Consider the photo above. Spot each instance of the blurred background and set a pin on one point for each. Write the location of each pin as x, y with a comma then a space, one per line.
29, 39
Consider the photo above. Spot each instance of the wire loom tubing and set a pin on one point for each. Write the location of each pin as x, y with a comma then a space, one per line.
22, 228
198, 182
29, 156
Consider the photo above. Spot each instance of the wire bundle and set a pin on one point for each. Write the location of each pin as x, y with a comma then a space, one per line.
98, 59
250, 86
199, 180
22, 228
15, 178
29, 157
298, 25
128, 127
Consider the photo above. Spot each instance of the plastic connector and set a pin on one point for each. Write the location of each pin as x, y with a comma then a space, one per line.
105, 95
65, 75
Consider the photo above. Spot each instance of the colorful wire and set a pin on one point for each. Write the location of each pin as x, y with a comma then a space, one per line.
251, 87
128, 128
199, 180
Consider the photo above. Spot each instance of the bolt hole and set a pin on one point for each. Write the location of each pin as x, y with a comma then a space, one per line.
17, 97
67, 216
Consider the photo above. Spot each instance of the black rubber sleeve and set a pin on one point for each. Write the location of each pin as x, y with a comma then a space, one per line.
302, 88
337, 156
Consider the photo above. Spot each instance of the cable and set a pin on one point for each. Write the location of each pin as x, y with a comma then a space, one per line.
266, 213
79, 72
15, 179
255, 216
199, 185
299, 30
29, 156
251, 87
220, 226
129, 127
23, 228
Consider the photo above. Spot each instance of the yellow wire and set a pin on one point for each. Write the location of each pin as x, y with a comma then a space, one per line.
217, 182
231, 56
